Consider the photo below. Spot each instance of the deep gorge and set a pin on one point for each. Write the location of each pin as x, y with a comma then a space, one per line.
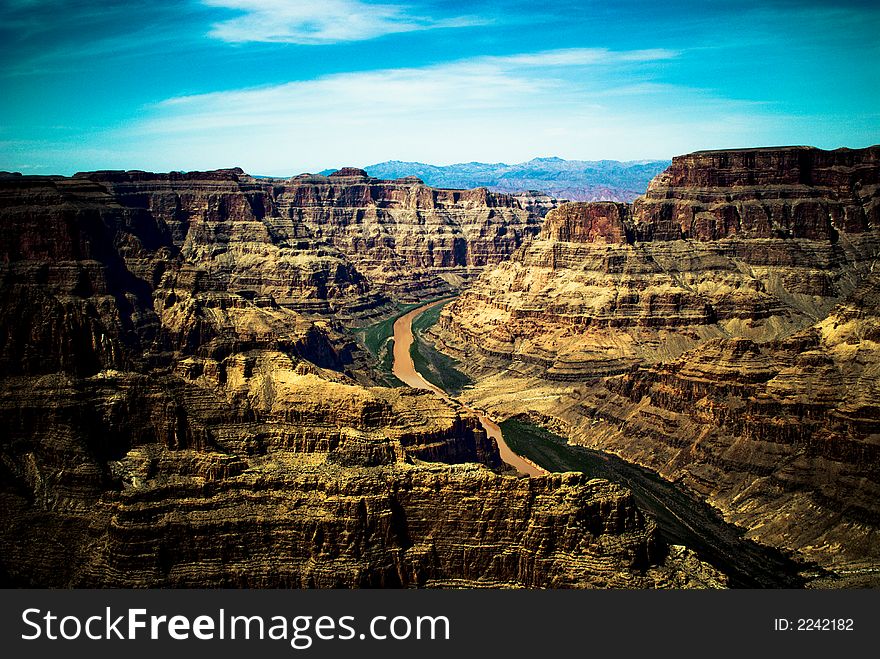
188, 403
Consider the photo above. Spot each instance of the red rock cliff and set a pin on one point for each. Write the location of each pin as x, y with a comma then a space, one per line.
721, 332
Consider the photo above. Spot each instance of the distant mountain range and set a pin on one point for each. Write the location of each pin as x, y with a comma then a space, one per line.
577, 180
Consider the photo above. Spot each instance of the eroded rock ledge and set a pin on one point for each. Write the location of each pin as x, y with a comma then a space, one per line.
131, 481
345, 230
722, 331
182, 407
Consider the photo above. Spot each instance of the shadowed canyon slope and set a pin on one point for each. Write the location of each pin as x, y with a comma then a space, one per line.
722, 330
328, 233
183, 404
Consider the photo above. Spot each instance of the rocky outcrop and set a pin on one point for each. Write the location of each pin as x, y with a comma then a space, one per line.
182, 407
793, 192
721, 331
289, 476
91, 283
414, 241
226, 227
603, 222
597, 269
537, 202
781, 435
288, 523
337, 244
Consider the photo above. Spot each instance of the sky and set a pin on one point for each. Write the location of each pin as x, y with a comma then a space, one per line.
280, 87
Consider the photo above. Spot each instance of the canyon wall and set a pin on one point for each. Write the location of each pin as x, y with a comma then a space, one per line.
183, 407
411, 240
721, 330
338, 244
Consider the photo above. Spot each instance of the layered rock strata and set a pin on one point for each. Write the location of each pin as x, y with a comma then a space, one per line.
291, 521
720, 331
537, 202
225, 225
783, 436
336, 243
412, 240
599, 268
177, 412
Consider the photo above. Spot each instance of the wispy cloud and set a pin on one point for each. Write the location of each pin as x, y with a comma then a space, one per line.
580, 57
43, 37
80, 80
325, 22
587, 102
465, 88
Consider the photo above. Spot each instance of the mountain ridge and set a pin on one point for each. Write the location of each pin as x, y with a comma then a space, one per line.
576, 180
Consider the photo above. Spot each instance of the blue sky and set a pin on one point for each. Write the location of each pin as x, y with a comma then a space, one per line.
280, 87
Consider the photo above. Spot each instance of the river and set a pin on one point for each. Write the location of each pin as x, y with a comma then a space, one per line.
680, 518
405, 370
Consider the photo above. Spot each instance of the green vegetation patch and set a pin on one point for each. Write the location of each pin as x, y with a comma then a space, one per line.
437, 368
376, 335
427, 319
549, 450
386, 364
378, 338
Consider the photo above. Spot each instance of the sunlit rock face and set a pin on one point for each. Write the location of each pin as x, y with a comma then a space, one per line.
720, 330
285, 237
794, 192
413, 241
182, 405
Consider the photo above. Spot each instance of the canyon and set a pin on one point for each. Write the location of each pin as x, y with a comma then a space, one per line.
188, 401
720, 331
405, 370
185, 402
328, 235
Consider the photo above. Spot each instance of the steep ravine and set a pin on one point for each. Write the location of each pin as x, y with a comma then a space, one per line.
183, 406
405, 370
721, 331
681, 519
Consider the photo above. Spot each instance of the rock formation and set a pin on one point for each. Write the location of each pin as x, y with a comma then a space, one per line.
794, 192
327, 238
537, 202
412, 240
721, 331
183, 407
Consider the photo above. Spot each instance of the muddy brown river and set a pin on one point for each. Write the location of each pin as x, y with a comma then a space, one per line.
405, 370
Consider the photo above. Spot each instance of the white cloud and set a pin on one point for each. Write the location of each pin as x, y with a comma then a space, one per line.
321, 22
472, 85
582, 57
574, 103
